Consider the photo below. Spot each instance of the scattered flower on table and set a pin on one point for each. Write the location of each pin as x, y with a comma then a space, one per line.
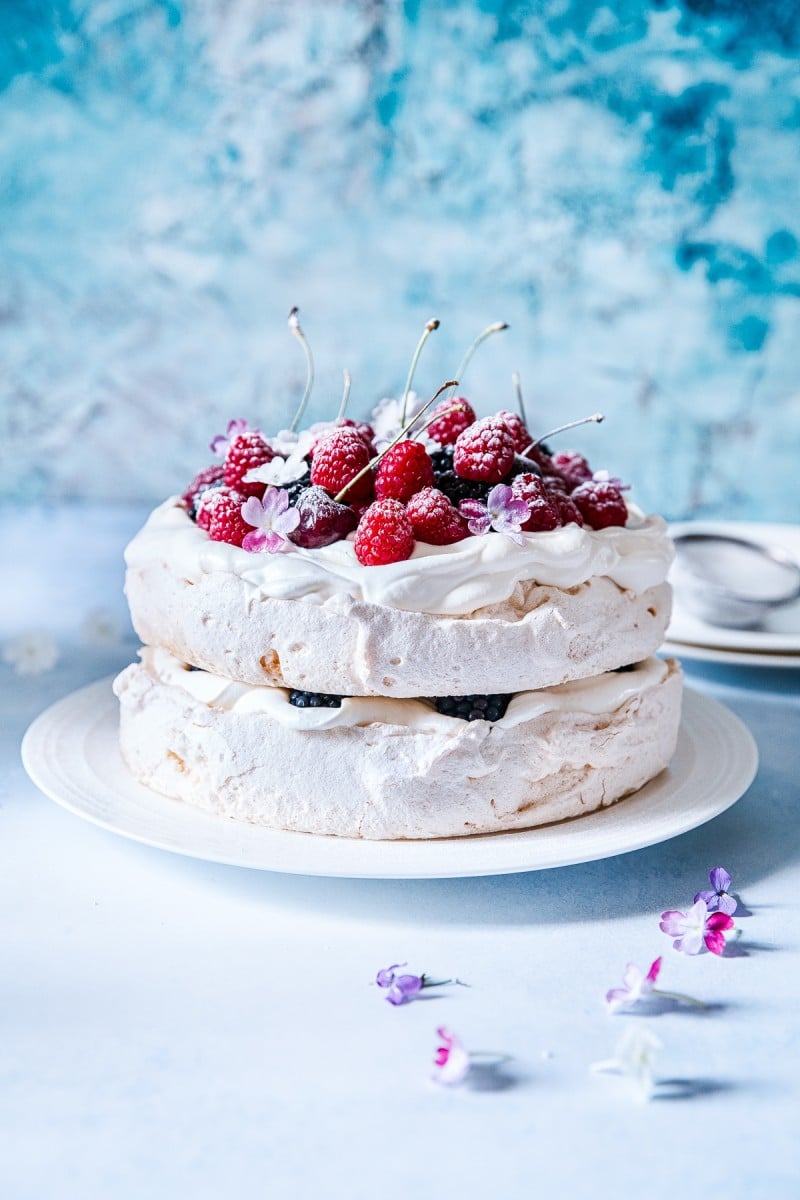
638, 986
402, 989
273, 520
717, 897
220, 443
633, 1058
452, 1061
101, 628
696, 928
32, 653
503, 512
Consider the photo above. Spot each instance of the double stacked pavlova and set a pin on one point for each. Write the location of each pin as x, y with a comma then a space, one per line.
425, 626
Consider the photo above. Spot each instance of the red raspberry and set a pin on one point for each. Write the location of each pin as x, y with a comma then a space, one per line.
446, 428
572, 467
338, 457
544, 511
220, 513
601, 504
484, 452
434, 519
384, 534
568, 511
514, 425
201, 481
403, 471
246, 451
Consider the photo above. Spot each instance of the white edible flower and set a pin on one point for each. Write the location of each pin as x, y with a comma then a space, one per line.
32, 652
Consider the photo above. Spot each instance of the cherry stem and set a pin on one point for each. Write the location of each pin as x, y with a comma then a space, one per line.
345, 396
515, 379
296, 331
399, 437
432, 325
595, 418
495, 327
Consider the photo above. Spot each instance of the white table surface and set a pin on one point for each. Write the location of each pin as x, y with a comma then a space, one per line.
174, 1027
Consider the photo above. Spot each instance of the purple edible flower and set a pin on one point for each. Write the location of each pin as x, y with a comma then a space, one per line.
696, 927
273, 520
401, 989
219, 444
503, 511
452, 1061
717, 897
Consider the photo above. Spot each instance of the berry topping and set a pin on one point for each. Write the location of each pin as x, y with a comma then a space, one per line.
600, 504
296, 488
567, 510
484, 452
544, 510
516, 427
322, 520
434, 519
314, 699
451, 418
245, 452
384, 535
338, 458
473, 708
210, 477
572, 467
523, 465
403, 471
220, 513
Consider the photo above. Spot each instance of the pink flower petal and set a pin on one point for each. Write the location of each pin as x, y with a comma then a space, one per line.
655, 967
719, 920
672, 922
715, 941
255, 542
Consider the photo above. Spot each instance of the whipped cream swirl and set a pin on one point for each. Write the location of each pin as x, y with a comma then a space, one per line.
444, 580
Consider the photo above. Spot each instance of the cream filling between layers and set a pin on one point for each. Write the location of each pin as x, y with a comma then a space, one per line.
443, 580
600, 694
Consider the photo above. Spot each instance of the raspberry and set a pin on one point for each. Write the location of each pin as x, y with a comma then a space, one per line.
220, 513
484, 452
572, 467
601, 504
434, 519
544, 511
447, 427
514, 425
322, 520
384, 535
403, 471
567, 510
210, 477
338, 458
245, 452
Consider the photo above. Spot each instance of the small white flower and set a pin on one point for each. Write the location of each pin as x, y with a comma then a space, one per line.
387, 417
633, 1058
278, 471
31, 653
101, 628
289, 444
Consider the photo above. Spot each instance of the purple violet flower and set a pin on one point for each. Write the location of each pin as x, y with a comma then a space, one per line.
503, 512
273, 520
401, 989
696, 927
219, 444
717, 897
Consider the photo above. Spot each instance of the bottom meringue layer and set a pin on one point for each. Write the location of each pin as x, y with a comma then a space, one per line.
399, 771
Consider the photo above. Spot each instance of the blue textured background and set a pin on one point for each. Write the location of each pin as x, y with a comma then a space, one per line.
618, 182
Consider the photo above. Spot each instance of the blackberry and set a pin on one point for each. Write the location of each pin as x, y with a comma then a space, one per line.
457, 489
298, 485
442, 459
313, 699
522, 466
473, 708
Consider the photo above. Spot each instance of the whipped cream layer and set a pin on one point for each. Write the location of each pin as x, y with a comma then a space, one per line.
443, 580
379, 768
601, 694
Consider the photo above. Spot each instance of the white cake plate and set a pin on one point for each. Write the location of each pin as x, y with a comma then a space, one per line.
71, 753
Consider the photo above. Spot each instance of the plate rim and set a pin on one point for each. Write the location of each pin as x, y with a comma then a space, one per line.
92, 711
739, 641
